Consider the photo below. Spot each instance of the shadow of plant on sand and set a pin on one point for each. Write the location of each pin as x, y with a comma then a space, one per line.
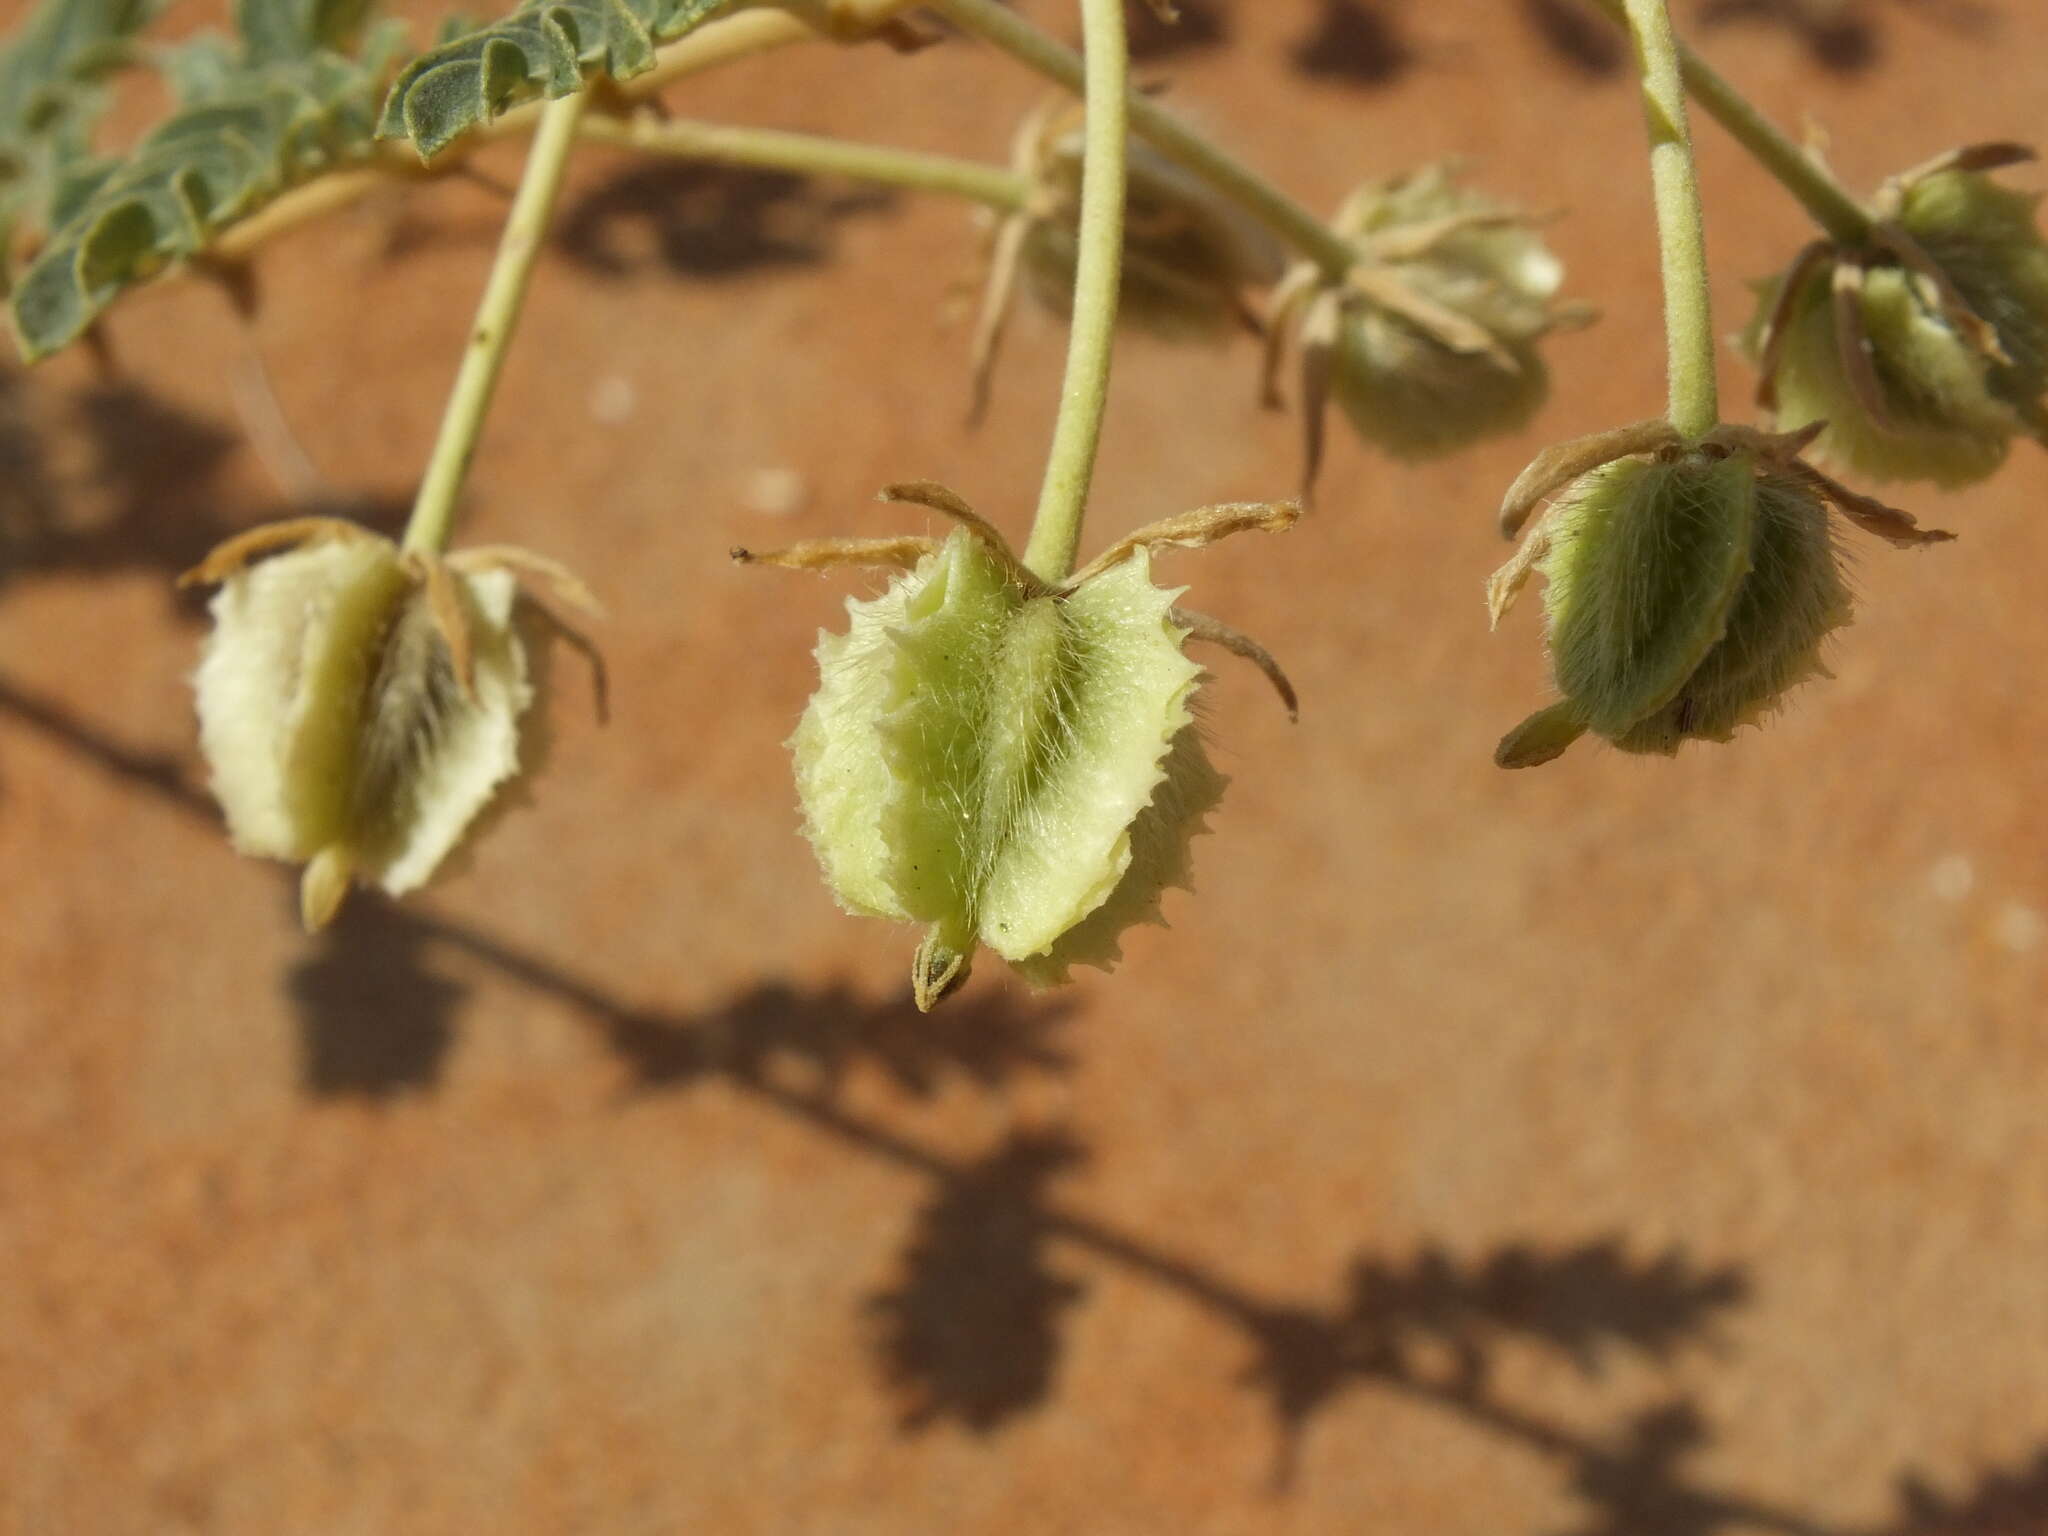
970, 1332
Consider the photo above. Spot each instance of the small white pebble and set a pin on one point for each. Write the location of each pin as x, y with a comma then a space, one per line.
2021, 928
1952, 878
612, 399
776, 492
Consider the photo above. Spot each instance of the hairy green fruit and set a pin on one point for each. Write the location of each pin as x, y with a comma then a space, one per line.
359, 706
1008, 759
1926, 351
1686, 596
1002, 766
1689, 586
1411, 381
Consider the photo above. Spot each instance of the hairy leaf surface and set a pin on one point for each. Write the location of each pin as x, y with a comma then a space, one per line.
50, 97
545, 47
244, 133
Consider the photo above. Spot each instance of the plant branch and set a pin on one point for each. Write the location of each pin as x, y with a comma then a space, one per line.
1830, 204
433, 513
815, 155
1688, 317
1098, 270
1237, 181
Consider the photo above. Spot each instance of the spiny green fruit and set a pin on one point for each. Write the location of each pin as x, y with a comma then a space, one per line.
1410, 383
1685, 595
361, 706
1009, 768
1189, 254
1926, 351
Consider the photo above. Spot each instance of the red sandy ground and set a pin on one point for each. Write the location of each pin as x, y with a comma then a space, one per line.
1631, 1147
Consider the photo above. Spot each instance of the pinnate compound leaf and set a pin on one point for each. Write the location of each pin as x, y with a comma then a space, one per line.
50, 97
545, 47
281, 31
245, 133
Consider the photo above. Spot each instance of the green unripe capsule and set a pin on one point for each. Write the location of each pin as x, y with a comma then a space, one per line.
1411, 379
1428, 342
979, 760
1010, 763
1925, 350
1686, 594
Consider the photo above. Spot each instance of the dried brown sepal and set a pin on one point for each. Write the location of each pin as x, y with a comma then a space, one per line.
1437, 321
1286, 302
1319, 338
1948, 299
1852, 341
948, 502
1992, 156
532, 571
1201, 627
232, 555
1411, 242
451, 617
1557, 466
992, 317
901, 553
1867, 512
1505, 584
1192, 530
1771, 339
559, 628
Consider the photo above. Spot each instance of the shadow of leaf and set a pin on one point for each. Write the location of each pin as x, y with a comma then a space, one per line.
971, 1331
708, 221
988, 1039
1355, 42
144, 498
2001, 1504
1588, 42
1836, 33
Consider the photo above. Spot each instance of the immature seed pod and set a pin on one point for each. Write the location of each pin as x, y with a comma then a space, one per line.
359, 706
1924, 349
1429, 341
1189, 254
1440, 348
1004, 761
1688, 589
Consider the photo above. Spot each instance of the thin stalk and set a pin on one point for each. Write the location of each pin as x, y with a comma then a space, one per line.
1098, 269
813, 155
433, 513
1681, 242
1237, 181
1833, 207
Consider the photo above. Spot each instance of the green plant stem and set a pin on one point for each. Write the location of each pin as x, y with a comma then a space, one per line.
433, 513
1830, 203
1232, 177
1098, 268
1681, 242
814, 155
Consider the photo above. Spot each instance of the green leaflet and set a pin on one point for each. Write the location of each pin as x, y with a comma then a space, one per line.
545, 47
1015, 771
279, 31
50, 97
249, 133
